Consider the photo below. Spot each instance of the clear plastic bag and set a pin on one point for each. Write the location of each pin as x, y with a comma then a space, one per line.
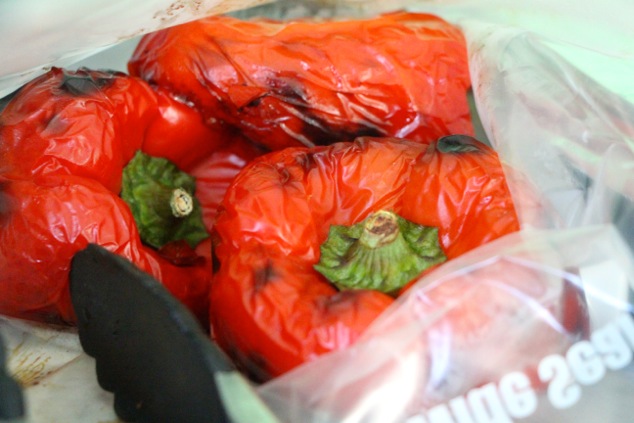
490, 331
37, 34
569, 135
554, 115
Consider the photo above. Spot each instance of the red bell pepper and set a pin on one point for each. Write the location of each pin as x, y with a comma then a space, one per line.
314, 82
310, 250
215, 173
70, 144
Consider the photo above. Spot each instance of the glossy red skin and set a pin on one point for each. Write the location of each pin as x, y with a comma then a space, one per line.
64, 140
216, 171
269, 309
316, 82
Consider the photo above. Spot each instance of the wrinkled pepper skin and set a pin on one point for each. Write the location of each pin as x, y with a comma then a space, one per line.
64, 140
215, 172
307, 83
270, 310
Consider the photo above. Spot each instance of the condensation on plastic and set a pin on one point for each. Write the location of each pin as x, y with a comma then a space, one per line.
36, 34
570, 138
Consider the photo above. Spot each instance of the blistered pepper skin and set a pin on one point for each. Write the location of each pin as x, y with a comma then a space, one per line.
270, 310
316, 82
64, 140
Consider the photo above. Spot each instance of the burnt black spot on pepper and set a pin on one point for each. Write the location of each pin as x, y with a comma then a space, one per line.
5, 208
322, 132
215, 262
288, 89
251, 364
263, 276
306, 161
255, 102
459, 144
318, 130
83, 83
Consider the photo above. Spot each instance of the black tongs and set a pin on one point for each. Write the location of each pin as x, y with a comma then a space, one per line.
150, 351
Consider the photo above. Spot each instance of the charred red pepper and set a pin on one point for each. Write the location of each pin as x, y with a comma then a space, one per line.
314, 82
70, 144
303, 233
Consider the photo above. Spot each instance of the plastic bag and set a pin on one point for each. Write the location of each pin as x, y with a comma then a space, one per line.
564, 133
484, 337
63, 32
570, 138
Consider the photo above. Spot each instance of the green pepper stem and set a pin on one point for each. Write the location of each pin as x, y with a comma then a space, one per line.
161, 199
384, 252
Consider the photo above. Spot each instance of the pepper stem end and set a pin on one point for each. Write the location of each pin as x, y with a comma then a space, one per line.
181, 203
384, 253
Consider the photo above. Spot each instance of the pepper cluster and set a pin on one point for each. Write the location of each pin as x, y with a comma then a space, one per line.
328, 164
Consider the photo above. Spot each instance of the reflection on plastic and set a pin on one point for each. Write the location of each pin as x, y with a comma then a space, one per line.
585, 363
467, 333
567, 134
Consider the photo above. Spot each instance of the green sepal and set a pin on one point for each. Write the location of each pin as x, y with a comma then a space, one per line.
147, 187
349, 264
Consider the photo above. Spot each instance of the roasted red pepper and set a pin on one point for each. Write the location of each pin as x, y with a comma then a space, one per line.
314, 82
215, 173
70, 143
282, 296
